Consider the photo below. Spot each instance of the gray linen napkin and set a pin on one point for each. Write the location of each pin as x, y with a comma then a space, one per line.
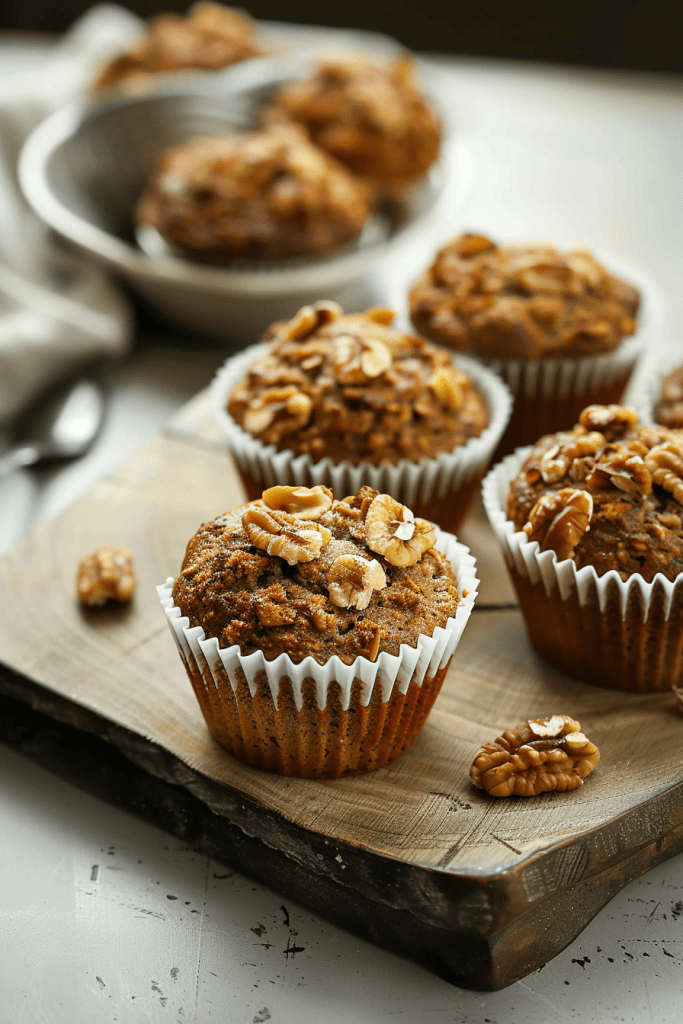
57, 310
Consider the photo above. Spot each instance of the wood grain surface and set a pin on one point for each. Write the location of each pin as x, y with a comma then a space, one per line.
517, 879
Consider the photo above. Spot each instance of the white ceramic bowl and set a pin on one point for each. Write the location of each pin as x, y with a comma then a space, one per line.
83, 169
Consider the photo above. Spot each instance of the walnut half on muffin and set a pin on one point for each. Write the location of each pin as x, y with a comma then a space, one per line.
262, 195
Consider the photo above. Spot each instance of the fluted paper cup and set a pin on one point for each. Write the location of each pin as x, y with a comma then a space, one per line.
620, 634
549, 394
440, 489
321, 721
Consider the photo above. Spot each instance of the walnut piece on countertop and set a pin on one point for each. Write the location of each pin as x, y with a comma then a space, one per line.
538, 756
106, 575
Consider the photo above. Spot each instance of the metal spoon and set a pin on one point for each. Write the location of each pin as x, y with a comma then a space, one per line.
61, 425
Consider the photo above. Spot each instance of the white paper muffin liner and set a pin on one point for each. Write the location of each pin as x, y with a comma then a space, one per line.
408, 482
563, 378
622, 634
389, 672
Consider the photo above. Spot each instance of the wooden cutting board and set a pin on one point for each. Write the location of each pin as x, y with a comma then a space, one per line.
411, 857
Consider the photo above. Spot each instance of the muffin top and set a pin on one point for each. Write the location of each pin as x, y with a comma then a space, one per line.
368, 114
300, 573
669, 408
608, 493
521, 301
208, 37
266, 194
351, 387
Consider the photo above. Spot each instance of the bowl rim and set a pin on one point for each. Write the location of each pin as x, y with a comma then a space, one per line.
328, 272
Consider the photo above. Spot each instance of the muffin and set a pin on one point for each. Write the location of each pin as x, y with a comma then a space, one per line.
669, 408
368, 114
557, 327
263, 195
591, 525
207, 38
343, 400
317, 633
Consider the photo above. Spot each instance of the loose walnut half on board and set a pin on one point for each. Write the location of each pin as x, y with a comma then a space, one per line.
538, 756
106, 575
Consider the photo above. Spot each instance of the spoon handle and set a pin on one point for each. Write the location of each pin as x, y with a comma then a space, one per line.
15, 458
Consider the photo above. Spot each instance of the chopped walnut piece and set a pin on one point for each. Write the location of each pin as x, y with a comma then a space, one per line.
356, 505
277, 412
106, 575
558, 521
309, 318
538, 756
393, 531
357, 360
554, 277
624, 471
471, 244
300, 502
448, 384
351, 580
381, 315
665, 463
611, 420
556, 462
278, 533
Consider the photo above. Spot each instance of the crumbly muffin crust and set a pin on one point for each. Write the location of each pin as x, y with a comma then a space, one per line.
521, 301
371, 579
352, 387
669, 408
370, 116
608, 493
267, 194
208, 37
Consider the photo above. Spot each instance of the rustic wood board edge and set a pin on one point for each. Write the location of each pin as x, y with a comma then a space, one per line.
482, 933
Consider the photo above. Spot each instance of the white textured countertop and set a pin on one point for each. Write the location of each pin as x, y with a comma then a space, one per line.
104, 918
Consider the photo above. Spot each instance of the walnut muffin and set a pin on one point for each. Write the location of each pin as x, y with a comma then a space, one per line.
669, 407
350, 392
263, 195
208, 37
369, 115
537, 316
313, 613
625, 502
591, 521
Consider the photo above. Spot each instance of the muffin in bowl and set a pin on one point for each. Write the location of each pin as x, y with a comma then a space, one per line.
558, 327
210, 36
265, 195
317, 633
591, 525
368, 114
346, 399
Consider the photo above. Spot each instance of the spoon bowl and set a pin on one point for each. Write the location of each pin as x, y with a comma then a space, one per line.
59, 425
